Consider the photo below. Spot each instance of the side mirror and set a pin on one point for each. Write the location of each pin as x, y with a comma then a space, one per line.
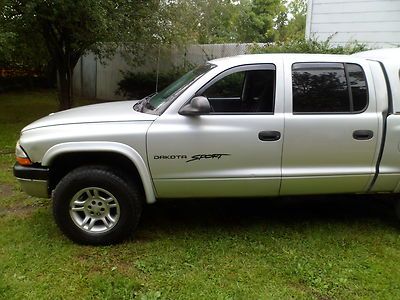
197, 106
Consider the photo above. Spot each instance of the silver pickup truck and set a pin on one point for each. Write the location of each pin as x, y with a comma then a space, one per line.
245, 126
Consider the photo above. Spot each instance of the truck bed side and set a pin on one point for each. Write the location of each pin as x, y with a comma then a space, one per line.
388, 168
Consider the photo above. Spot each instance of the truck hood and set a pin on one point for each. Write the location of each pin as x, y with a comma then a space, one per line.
121, 111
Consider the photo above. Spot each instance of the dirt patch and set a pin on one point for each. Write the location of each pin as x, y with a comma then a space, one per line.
6, 190
17, 211
6, 151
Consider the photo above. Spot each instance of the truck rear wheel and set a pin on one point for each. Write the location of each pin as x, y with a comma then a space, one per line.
93, 205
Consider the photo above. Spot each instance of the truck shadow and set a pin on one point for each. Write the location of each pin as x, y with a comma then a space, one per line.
225, 214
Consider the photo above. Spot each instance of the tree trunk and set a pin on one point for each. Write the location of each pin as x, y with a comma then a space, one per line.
65, 88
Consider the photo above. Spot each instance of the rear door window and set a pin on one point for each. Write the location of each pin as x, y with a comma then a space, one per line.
328, 88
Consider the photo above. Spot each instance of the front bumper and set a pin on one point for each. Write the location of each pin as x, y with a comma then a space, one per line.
34, 180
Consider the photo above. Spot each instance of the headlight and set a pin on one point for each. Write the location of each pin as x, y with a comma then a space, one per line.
21, 156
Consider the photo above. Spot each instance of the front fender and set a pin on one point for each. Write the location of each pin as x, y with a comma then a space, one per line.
101, 146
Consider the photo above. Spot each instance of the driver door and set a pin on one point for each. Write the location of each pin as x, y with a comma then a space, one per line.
233, 151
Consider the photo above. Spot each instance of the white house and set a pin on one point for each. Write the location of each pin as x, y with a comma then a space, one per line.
373, 22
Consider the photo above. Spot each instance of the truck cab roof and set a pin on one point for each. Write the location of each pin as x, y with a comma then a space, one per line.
378, 54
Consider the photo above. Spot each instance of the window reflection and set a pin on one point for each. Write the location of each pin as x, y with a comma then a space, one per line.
324, 89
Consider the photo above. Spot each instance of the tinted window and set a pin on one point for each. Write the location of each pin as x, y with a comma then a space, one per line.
320, 90
358, 87
229, 86
328, 88
246, 91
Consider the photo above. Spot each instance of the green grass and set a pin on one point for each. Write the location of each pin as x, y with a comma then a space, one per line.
290, 248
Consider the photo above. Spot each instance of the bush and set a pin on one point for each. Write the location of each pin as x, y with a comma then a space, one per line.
23, 83
139, 85
311, 45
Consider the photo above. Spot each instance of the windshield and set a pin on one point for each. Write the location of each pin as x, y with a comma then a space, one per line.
169, 94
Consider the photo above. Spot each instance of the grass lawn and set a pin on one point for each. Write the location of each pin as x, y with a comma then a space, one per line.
343, 247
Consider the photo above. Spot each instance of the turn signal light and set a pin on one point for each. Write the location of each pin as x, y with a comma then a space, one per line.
24, 161
21, 156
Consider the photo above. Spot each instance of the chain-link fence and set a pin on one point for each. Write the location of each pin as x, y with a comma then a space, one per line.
200, 53
95, 80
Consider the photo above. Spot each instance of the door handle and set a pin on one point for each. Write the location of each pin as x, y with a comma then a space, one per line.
363, 135
269, 135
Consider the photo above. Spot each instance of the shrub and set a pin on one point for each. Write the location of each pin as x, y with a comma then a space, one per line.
138, 85
23, 83
19, 77
311, 45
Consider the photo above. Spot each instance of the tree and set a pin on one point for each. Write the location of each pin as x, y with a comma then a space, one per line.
19, 53
257, 20
6, 48
217, 21
226, 21
291, 22
203, 21
34, 32
70, 28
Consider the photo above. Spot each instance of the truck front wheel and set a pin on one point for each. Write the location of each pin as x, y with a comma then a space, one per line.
93, 205
397, 207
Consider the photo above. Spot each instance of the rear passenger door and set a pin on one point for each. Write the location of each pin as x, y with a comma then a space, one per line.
331, 129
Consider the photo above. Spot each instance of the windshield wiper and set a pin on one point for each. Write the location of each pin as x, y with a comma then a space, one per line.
145, 103
149, 106
139, 106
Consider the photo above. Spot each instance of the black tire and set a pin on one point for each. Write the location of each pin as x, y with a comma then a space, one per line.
397, 209
127, 195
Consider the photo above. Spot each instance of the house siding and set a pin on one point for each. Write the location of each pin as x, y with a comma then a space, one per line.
373, 22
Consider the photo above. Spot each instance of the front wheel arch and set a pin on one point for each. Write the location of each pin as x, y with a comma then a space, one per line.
67, 156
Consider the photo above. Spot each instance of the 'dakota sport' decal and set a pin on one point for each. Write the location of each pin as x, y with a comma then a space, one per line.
195, 157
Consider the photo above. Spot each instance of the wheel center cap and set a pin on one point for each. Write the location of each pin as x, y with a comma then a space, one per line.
96, 207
